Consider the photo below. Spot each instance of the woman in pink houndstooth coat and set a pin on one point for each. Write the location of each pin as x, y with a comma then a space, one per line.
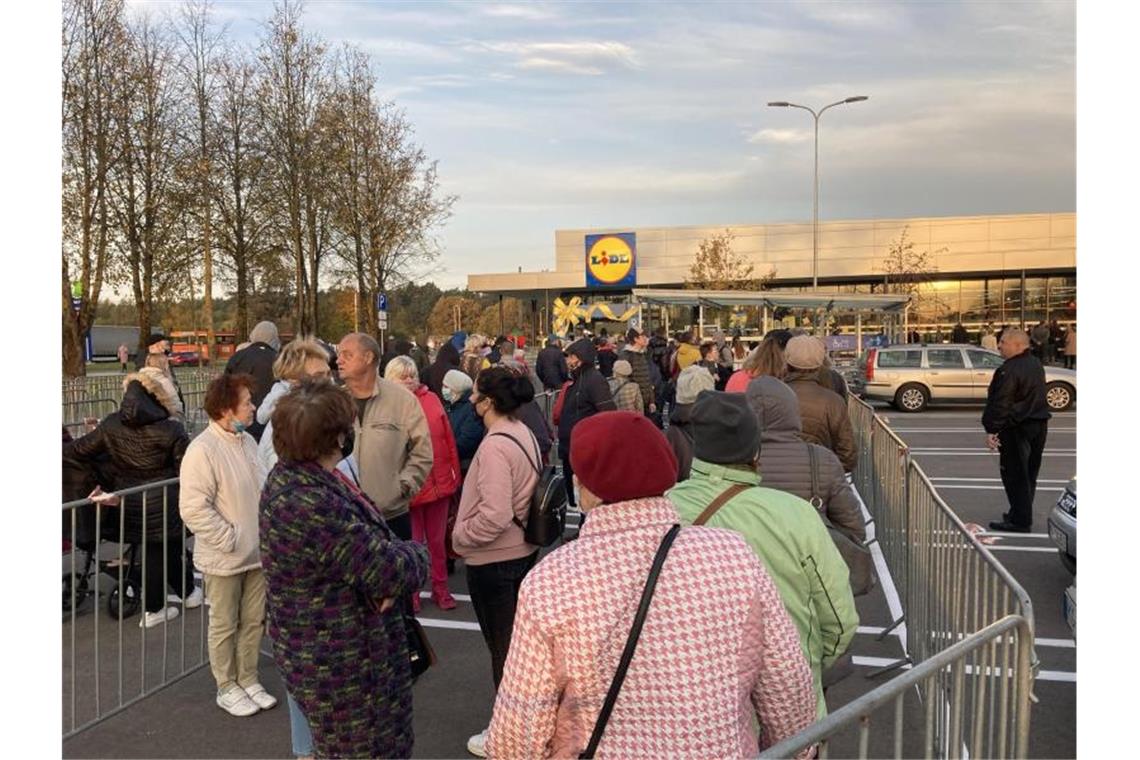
717, 648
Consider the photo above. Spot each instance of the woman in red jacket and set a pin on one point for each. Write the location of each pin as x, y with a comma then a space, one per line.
429, 506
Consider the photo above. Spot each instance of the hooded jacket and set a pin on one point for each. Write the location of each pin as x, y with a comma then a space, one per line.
823, 414
588, 395
680, 438
257, 360
145, 442
551, 368
796, 549
785, 462
639, 360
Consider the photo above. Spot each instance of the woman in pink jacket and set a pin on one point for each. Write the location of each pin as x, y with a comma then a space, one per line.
717, 648
488, 530
429, 507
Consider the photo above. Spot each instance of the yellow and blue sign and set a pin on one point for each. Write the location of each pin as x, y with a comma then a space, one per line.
611, 260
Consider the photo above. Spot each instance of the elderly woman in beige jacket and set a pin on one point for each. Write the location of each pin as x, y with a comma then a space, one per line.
220, 490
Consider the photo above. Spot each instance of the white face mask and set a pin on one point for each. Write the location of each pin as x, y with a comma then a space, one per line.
448, 396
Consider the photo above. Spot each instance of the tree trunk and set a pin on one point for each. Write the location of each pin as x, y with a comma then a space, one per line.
241, 319
73, 360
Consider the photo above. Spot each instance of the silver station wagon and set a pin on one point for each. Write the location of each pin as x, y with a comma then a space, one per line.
913, 376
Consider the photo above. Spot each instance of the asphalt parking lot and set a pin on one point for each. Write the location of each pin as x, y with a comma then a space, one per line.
454, 699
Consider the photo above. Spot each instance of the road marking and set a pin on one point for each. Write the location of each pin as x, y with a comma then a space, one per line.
994, 454
997, 548
992, 480
975, 448
459, 625
886, 582
1043, 675
942, 486
977, 430
875, 630
456, 597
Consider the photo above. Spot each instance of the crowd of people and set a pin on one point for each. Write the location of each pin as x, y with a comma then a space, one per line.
331, 487
1051, 342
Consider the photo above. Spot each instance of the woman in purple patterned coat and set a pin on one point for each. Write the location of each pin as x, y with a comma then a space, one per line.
338, 584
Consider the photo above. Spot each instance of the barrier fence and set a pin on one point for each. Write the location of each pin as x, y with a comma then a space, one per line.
108, 665
964, 614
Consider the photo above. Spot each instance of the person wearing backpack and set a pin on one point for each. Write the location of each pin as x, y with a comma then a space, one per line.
490, 528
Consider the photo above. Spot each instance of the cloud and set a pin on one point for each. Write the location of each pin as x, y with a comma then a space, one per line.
780, 136
521, 12
586, 58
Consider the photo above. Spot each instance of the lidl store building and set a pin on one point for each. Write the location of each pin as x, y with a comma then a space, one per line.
1007, 269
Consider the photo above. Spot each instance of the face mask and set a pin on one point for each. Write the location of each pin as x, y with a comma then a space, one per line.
448, 396
239, 426
346, 446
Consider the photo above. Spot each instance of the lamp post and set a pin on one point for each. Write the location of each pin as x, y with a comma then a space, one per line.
815, 186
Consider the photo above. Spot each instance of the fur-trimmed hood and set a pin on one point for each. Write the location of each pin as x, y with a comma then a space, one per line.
157, 386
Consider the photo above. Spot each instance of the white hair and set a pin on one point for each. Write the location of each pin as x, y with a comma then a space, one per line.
399, 368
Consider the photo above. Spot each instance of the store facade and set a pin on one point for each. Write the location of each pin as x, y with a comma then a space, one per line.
1002, 269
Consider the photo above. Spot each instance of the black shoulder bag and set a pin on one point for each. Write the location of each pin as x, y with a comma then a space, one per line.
630, 643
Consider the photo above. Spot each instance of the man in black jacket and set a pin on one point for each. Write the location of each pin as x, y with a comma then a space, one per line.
588, 395
1016, 420
551, 365
257, 359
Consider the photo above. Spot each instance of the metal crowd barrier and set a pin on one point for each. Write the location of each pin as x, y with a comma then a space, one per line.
76, 412
109, 666
962, 611
986, 716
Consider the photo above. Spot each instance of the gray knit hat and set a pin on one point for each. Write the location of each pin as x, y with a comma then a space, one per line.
725, 430
692, 380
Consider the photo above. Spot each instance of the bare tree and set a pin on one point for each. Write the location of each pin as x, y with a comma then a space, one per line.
198, 71
93, 56
240, 193
718, 267
911, 272
149, 203
290, 91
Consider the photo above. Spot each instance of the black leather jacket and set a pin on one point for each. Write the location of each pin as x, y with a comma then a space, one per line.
144, 445
1016, 394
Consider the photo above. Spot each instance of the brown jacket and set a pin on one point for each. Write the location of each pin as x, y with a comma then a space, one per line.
824, 416
392, 448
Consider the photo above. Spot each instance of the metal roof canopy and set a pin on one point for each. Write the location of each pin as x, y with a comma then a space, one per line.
722, 298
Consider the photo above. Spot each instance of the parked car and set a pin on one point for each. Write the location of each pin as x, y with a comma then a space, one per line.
1063, 526
913, 376
187, 359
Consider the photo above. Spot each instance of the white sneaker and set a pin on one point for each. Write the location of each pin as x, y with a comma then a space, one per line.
477, 744
260, 696
151, 619
194, 599
236, 702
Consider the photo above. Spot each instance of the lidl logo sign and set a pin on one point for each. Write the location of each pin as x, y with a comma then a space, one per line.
611, 260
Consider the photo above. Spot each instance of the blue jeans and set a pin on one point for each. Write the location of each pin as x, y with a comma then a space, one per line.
299, 729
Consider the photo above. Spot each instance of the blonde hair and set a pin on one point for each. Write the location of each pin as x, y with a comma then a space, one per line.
766, 359
400, 367
158, 361
474, 343
290, 363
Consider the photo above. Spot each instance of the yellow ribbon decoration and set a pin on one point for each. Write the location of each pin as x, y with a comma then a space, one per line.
606, 310
566, 315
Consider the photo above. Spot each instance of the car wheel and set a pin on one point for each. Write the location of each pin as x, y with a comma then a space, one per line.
1059, 396
912, 397
1070, 563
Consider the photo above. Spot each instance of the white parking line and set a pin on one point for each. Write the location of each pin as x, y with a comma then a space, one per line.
996, 548
1044, 675
993, 454
990, 480
456, 597
977, 430
942, 486
975, 448
460, 625
874, 630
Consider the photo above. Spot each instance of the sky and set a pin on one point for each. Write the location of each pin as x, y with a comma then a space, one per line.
548, 116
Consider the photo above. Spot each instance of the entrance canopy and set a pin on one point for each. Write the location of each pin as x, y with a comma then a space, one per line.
772, 300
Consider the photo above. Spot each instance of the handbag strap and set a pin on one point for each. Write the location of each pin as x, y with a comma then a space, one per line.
816, 499
630, 642
537, 467
719, 502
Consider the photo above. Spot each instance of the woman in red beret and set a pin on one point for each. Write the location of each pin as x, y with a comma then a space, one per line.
717, 648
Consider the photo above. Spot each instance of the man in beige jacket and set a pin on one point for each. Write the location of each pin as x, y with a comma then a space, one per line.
393, 443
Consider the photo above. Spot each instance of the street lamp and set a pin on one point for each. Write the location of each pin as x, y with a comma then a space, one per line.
815, 187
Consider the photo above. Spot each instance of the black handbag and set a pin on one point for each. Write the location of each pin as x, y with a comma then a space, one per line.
420, 651
630, 642
856, 555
